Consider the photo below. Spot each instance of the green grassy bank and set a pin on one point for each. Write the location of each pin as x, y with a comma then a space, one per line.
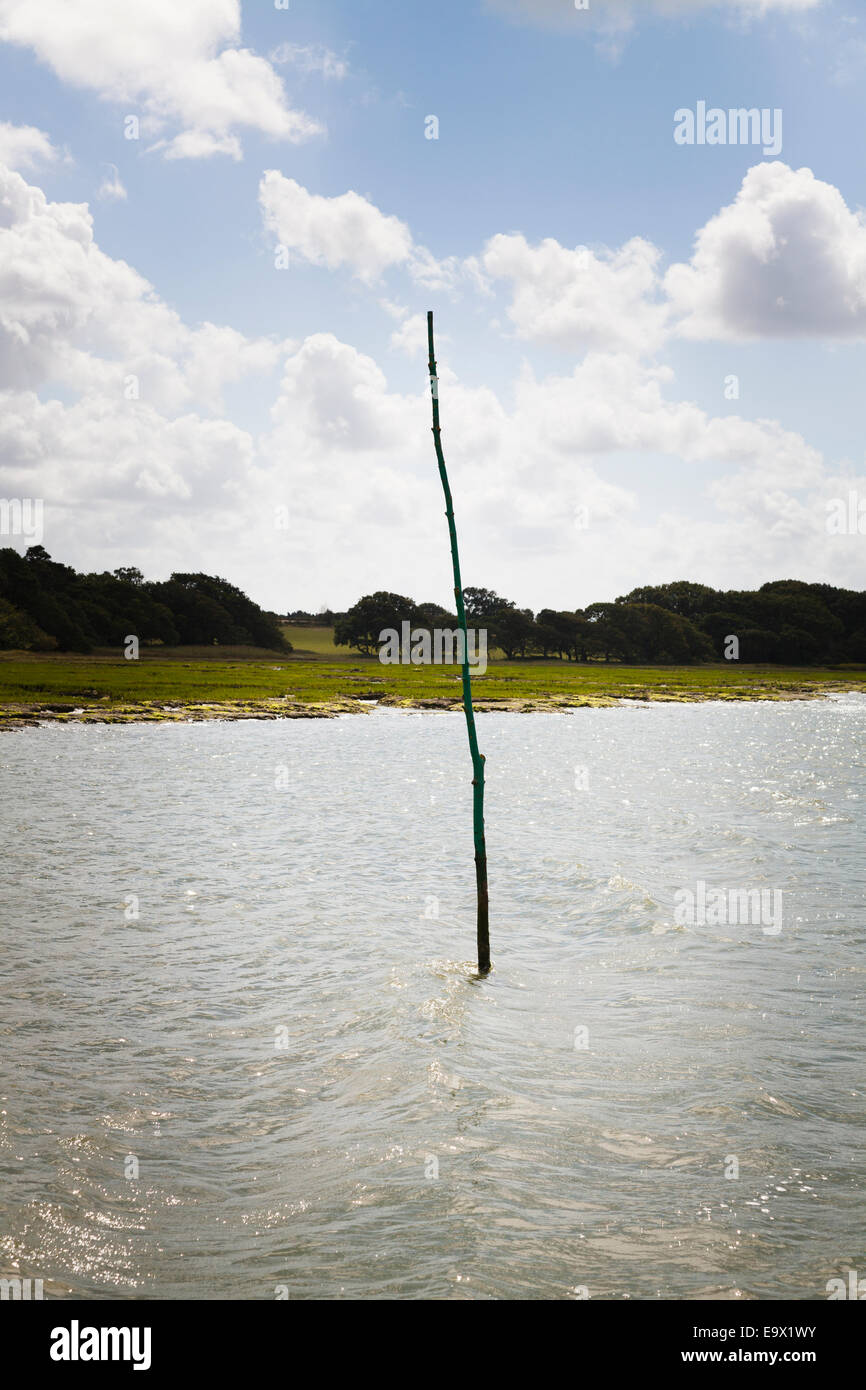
317, 679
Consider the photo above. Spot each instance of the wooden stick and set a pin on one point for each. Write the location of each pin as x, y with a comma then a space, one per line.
483, 925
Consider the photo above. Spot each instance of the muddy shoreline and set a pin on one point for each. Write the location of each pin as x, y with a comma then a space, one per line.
25, 716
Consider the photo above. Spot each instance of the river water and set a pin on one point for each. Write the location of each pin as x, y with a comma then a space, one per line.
244, 1054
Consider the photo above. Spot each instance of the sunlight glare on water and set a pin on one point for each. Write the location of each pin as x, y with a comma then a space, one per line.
319, 1093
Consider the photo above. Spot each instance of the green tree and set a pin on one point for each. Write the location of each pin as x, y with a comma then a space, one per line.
18, 632
372, 614
512, 630
484, 603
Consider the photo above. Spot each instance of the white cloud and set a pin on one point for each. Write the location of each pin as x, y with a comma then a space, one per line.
25, 147
111, 190
343, 231
411, 337
580, 299
349, 231
432, 274
311, 58
104, 450
393, 309
134, 378
612, 403
68, 311
623, 14
110, 405
180, 61
57, 289
335, 398
786, 259
364, 484
200, 144
352, 458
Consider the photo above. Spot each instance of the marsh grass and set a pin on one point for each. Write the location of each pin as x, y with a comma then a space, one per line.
206, 676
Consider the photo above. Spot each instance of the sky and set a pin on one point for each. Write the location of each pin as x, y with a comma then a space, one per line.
222, 224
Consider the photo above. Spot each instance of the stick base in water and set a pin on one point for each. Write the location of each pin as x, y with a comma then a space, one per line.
483, 922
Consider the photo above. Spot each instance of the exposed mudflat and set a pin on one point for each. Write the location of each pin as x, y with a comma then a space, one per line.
22, 716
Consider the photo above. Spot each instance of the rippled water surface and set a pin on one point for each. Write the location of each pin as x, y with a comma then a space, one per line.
290, 1041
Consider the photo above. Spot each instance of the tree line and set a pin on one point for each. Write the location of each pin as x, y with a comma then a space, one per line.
784, 622
47, 606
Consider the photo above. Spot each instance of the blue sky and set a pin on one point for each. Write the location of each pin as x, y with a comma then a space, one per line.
572, 380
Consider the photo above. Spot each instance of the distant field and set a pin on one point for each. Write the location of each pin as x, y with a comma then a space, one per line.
320, 641
314, 639
246, 681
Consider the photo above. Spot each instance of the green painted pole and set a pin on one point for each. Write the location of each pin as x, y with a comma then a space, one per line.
483, 925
